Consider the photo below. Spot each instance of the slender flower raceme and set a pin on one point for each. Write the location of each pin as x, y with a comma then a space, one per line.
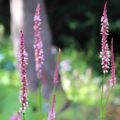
51, 115
113, 78
57, 68
22, 67
38, 44
105, 52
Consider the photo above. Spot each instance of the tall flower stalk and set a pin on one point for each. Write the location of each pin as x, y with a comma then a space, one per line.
22, 66
38, 44
56, 72
51, 115
39, 55
113, 77
112, 80
105, 52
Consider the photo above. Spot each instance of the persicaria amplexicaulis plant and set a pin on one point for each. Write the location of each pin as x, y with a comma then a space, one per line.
105, 52
23, 75
38, 44
107, 58
113, 77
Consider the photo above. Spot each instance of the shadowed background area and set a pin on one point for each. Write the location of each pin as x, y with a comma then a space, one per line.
74, 26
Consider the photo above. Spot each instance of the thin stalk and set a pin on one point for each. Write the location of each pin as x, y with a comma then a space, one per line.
53, 93
23, 116
40, 99
54, 88
101, 104
107, 99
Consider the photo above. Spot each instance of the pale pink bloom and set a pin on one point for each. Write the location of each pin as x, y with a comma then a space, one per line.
57, 68
22, 66
113, 78
51, 115
105, 52
38, 44
16, 116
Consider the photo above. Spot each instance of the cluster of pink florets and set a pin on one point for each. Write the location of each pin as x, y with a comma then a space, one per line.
105, 52
23, 74
38, 44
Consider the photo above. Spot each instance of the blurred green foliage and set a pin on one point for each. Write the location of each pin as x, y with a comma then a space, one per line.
78, 78
78, 93
8, 71
80, 81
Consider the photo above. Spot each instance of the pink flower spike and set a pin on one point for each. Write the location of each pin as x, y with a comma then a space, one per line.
113, 78
51, 115
57, 68
105, 52
38, 44
22, 66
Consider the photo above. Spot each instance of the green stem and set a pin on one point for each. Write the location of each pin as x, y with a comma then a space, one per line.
40, 95
23, 116
101, 104
107, 99
40, 99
